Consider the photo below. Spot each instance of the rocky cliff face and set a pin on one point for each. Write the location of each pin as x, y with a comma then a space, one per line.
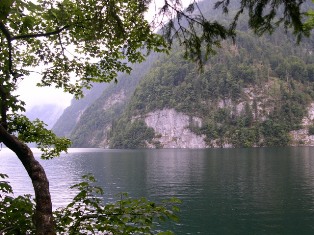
302, 136
172, 129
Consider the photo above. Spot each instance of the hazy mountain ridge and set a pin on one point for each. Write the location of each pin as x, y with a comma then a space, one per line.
49, 113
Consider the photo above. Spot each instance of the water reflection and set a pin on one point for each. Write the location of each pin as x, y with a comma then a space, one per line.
224, 191
18, 177
171, 172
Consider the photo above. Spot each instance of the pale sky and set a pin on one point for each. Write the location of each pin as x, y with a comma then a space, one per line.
34, 95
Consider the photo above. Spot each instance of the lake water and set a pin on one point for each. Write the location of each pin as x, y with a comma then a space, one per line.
223, 191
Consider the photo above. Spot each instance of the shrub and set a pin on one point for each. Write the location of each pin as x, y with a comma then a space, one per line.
311, 130
87, 213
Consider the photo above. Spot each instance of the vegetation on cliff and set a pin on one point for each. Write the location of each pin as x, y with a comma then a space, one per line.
253, 92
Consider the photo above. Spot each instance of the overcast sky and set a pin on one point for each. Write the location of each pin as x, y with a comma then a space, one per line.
34, 95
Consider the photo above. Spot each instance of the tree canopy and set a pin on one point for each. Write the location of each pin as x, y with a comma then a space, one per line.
199, 35
73, 43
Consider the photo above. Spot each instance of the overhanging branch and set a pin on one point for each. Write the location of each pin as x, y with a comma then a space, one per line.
37, 35
11, 38
8, 36
5, 31
3, 107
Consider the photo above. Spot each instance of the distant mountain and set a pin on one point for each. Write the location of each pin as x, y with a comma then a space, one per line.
49, 113
258, 91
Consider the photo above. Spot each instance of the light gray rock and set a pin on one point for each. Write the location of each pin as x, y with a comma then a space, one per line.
172, 130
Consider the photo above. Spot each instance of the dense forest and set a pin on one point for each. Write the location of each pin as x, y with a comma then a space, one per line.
252, 92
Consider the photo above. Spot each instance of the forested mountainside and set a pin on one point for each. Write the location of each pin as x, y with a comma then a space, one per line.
258, 91
87, 121
71, 115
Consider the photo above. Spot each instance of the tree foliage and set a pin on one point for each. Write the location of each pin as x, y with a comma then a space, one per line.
47, 142
309, 24
131, 135
200, 34
71, 44
87, 213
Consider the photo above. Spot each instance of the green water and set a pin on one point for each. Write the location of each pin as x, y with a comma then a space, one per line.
223, 191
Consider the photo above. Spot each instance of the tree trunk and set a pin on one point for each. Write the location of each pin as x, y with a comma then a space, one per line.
43, 218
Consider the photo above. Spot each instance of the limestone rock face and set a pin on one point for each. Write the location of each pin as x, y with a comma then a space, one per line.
302, 136
171, 128
114, 99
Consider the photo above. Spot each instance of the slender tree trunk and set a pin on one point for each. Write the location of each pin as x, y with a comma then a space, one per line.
43, 215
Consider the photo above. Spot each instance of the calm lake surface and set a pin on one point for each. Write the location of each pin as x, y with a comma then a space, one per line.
223, 191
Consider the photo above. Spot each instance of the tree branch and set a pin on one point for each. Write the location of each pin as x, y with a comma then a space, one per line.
8, 36
11, 38
5, 31
186, 15
3, 107
43, 218
6, 229
37, 35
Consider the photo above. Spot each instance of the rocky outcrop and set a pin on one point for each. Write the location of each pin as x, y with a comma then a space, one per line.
302, 136
171, 128
114, 99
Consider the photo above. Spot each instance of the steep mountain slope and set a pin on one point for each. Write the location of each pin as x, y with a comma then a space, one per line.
87, 121
254, 93
258, 91
71, 115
